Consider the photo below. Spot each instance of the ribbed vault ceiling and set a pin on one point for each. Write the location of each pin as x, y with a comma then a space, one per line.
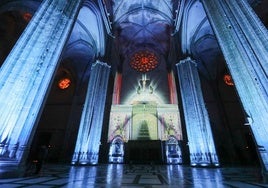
143, 24
137, 25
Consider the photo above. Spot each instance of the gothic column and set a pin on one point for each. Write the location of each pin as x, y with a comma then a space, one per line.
244, 43
26, 75
89, 134
200, 139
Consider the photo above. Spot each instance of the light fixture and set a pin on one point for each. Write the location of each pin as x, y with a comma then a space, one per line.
64, 83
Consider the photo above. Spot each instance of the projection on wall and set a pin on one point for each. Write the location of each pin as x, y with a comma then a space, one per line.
144, 126
145, 113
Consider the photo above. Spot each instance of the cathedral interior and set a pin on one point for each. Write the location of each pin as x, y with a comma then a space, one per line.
135, 82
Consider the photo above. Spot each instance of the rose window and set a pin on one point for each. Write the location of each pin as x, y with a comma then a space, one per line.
144, 61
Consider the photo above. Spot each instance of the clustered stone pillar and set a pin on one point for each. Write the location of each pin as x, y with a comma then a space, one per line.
200, 139
89, 134
244, 43
26, 75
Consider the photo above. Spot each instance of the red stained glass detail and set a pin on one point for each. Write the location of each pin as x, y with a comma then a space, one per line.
228, 80
144, 61
27, 16
64, 83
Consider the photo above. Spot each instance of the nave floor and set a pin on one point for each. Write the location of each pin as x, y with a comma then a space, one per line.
134, 176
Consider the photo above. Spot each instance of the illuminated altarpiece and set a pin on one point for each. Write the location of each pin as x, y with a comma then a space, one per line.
145, 121
145, 117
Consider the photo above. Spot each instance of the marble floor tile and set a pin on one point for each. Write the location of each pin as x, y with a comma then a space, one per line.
134, 176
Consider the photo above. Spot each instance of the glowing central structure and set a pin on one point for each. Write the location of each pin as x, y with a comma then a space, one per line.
145, 92
144, 117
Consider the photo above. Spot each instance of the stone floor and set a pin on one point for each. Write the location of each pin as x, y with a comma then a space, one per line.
132, 176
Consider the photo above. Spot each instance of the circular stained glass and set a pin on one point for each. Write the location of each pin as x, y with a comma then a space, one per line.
64, 83
144, 61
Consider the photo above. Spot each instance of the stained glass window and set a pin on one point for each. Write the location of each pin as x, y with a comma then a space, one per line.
228, 80
144, 61
64, 83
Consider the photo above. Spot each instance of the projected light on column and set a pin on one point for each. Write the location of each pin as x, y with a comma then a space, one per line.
26, 76
88, 139
200, 139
